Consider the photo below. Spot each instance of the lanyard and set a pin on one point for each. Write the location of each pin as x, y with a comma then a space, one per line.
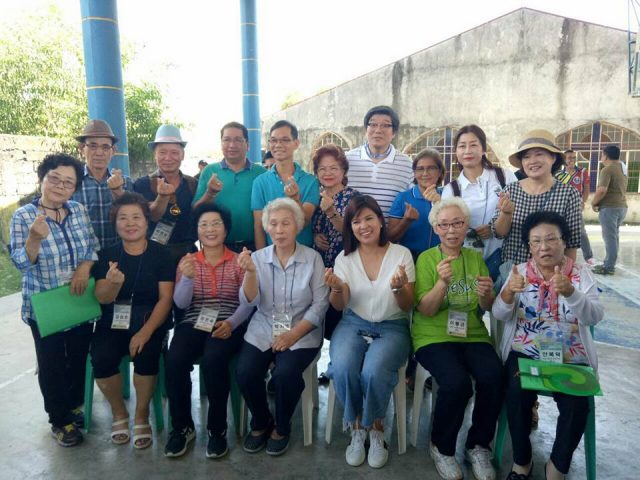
135, 281
464, 272
273, 288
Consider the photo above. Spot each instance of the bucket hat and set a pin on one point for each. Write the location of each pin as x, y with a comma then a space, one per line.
97, 128
167, 134
535, 139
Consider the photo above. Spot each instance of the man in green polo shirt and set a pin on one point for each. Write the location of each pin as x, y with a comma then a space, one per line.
229, 183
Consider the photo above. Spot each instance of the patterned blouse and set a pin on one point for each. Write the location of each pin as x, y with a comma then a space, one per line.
322, 224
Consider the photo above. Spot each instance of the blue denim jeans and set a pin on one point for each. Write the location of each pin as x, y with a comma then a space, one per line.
365, 358
610, 220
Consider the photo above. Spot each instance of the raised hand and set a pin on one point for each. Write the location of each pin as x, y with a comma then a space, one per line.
187, 265
291, 188
505, 205
561, 283
326, 201
165, 189
321, 242
484, 287
430, 193
410, 213
484, 231
214, 185
331, 280
516, 282
445, 272
399, 279
245, 261
39, 230
116, 180
114, 276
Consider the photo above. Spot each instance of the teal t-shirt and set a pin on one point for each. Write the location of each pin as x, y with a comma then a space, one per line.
461, 295
235, 196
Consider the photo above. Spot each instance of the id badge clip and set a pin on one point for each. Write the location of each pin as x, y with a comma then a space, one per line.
550, 351
162, 233
457, 323
281, 324
207, 319
121, 315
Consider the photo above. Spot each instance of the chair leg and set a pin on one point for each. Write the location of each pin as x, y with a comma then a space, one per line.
331, 403
590, 441
88, 394
498, 444
400, 404
418, 396
307, 404
316, 398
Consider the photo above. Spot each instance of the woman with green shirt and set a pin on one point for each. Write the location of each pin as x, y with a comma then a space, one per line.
453, 289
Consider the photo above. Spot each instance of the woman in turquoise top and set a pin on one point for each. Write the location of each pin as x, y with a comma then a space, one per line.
453, 288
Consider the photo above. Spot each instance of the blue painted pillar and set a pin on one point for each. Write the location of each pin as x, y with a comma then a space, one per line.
103, 68
250, 95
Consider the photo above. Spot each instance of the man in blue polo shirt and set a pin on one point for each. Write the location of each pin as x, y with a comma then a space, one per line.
286, 178
228, 184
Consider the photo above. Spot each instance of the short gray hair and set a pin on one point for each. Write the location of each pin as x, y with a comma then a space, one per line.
447, 203
284, 203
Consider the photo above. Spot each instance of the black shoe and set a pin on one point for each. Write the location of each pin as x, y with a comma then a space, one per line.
323, 379
179, 441
67, 436
521, 476
275, 447
601, 270
255, 443
217, 446
77, 417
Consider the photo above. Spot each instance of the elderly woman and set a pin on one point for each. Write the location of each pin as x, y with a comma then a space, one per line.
548, 302
540, 159
453, 288
52, 244
479, 185
207, 285
409, 213
134, 284
372, 281
285, 282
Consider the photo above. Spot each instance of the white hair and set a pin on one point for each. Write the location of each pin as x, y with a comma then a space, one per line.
284, 203
447, 203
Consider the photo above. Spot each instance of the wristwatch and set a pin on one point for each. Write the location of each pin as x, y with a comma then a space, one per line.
396, 290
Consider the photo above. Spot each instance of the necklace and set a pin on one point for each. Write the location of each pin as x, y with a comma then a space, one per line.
54, 209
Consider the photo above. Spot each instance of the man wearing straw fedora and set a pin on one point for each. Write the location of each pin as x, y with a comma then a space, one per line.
170, 194
100, 186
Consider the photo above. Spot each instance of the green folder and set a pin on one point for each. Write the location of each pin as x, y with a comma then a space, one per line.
57, 310
576, 380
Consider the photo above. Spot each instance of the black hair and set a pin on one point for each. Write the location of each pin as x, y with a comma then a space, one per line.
239, 126
129, 198
203, 208
478, 132
59, 159
354, 207
612, 152
383, 110
545, 217
285, 123
557, 164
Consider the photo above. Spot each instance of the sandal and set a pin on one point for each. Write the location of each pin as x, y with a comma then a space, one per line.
142, 440
120, 436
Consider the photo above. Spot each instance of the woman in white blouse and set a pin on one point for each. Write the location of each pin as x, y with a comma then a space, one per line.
372, 281
285, 282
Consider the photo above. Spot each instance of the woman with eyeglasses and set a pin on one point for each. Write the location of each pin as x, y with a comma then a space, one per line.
53, 244
214, 322
479, 185
409, 213
453, 289
548, 304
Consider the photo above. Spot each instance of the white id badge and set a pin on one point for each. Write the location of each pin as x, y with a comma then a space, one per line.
162, 233
457, 323
206, 319
281, 324
121, 316
550, 351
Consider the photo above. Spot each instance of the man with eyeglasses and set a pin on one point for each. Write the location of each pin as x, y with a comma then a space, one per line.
100, 186
229, 183
377, 168
285, 178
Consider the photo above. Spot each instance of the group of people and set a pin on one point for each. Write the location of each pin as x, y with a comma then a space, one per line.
370, 251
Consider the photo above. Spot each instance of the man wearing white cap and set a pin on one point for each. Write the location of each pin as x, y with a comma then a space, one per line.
170, 194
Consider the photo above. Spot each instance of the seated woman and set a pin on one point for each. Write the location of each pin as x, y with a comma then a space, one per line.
53, 244
134, 284
372, 281
409, 213
548, 302
453, 287
207, 285
285, 282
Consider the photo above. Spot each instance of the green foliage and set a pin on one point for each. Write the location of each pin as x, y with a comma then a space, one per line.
10, 278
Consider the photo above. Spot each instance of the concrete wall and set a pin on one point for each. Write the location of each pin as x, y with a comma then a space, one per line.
525, 70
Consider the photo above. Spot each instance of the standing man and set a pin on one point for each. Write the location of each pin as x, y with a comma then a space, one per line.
377, 168
286, 178
229, 185
170, 194
610, 203
100, 187
578, 178
202, 164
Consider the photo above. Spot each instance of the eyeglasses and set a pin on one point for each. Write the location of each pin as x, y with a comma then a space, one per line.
537, 243
284, 141
334, 169
383, 126
230, 140
66, 184
213, 224
94, 147
429, 169
456, 225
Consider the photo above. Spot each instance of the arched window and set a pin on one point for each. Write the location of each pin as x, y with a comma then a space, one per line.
330, 137
441, 139
588, 141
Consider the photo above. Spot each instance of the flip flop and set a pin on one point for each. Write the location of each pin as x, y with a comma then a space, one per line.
122, 431
142, 436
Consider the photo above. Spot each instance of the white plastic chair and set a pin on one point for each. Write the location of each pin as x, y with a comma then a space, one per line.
418, 395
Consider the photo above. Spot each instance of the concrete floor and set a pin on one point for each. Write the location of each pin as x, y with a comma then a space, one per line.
28, 452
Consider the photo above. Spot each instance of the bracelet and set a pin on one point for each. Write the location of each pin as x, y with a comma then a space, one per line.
118, 187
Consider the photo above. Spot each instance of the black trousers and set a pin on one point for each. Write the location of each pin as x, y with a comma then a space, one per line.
62, 360
286, 377
187, 346
570, 426
453, 364
331, 320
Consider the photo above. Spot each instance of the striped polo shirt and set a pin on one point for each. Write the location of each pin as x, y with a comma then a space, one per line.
383, 180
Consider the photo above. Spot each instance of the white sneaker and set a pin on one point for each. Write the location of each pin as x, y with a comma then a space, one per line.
480, 460
378, 452
591, 262
446, 465
355, 451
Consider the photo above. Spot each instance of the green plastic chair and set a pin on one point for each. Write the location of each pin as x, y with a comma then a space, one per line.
126, 391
